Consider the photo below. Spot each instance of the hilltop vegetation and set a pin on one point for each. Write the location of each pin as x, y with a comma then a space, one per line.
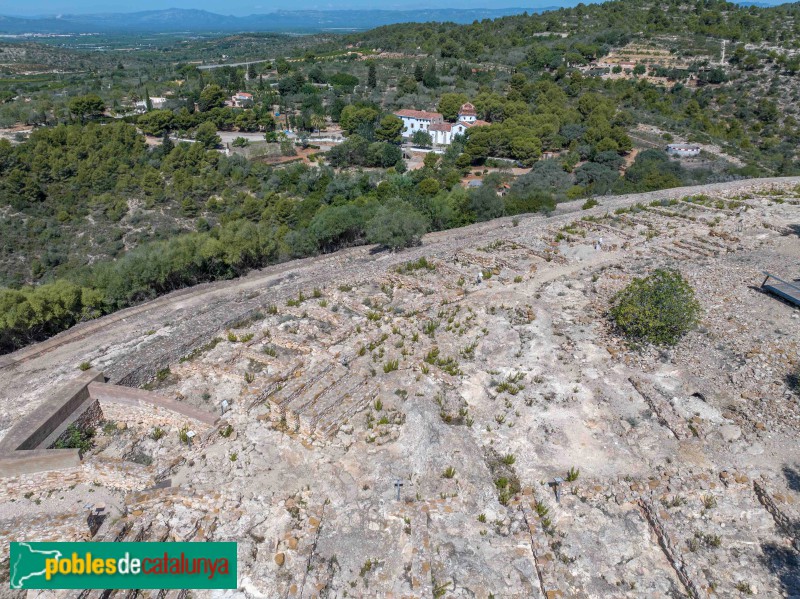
95, 219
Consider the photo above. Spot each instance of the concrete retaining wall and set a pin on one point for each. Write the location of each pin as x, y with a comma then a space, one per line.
37, 460
87, 415
37, 427
84, 402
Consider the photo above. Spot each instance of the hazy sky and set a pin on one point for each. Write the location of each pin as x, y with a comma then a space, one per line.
246, 7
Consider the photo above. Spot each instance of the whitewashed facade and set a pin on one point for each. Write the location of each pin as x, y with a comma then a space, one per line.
441, 132
417, 120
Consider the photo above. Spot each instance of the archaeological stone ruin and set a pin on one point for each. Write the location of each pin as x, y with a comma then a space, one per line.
459, 419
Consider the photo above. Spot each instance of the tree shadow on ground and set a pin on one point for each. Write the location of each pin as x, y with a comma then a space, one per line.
793, 382
784, 563
792, 475
795, 229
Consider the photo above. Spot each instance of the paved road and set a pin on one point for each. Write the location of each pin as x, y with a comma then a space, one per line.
205, 67
131, 344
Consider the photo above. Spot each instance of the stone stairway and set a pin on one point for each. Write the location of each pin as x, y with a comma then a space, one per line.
311, 393
292, 390
666, 414
325, 412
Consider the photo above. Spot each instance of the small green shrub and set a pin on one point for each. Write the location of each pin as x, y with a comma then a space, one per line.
157, 433
390, 366
744, 587
430, 327
658, 309
509, 459
449, 472
76, 438
410, 267
590, 203
573, 474
85, 366
226, 431
365, 568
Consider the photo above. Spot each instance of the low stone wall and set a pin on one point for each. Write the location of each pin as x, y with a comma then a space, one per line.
114, 473
109, 473
46, 527
137, 407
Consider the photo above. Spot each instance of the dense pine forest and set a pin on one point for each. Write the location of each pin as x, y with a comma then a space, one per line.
104, 205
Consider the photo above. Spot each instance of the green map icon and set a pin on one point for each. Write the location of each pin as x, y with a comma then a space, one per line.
29, 563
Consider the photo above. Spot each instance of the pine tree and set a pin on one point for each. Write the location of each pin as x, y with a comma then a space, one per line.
429, 79
166, 143
419, 73
372, 77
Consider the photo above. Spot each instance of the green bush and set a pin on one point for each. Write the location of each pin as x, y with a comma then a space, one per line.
658, 309
590, 203
76, 438
396, 226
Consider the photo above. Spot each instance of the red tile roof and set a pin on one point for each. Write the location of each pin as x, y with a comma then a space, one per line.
478, 123
244, 95
419, 114
440, 127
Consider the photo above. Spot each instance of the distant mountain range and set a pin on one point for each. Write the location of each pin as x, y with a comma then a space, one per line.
190, 20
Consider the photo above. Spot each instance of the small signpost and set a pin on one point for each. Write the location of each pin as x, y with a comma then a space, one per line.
556, 484
224, 406
398, 484
189, 436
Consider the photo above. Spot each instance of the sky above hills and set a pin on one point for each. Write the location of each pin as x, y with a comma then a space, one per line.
247, 7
